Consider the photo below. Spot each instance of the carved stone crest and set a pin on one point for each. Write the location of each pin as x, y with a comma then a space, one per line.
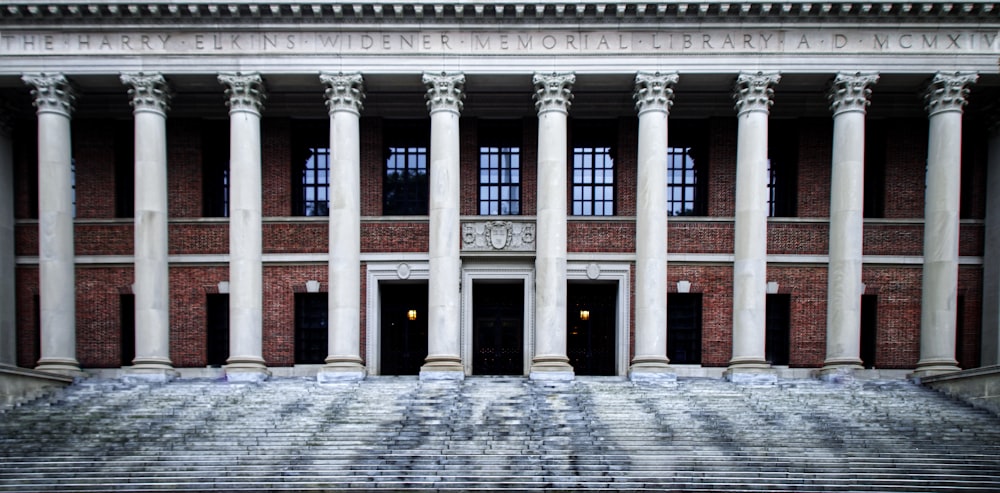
498, 236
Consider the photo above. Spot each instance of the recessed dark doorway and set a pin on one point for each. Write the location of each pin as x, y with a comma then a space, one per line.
403, 328
684, 328
498, 328
590, 325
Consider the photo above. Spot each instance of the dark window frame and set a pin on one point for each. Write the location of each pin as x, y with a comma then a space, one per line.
687, 147
782, 170
311, 168
215, 168
124, 169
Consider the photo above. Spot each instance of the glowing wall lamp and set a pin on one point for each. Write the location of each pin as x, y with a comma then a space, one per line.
584, 314
411, 314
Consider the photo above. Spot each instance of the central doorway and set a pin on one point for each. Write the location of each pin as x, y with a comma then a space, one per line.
498, 328
403, 328
590, 327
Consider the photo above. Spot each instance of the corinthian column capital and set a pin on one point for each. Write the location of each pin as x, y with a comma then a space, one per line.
851, 92
553, 92
345, 92
53, 93
754, 91
444, 91
948, 92
244, 92
149, 92
654, 91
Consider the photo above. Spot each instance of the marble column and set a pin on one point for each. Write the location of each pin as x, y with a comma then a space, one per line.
849, 99
754, 93
344, 100
245, 98
54, 99
444, 348
150, 102
553, 93
945, 98
990, 354
653, 95
8, 321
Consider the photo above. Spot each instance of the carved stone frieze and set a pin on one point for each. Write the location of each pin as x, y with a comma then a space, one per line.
498, 236
851, 92
754, 91
244, 92
553, 92
948, 92
444, 91
148, 92
51, 93
344, 92
654, 91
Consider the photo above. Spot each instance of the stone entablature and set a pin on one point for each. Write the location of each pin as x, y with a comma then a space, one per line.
473, 12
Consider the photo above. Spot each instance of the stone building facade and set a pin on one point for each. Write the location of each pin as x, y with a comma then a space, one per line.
543, 189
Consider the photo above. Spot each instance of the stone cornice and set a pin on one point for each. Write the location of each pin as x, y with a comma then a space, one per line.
345, 92
294, 12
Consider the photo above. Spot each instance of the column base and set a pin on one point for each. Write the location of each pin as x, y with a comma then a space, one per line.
442, 367
751, 372
930, 368
551, 367
840, 370
151, 371
341, 369
61, 366
246, 370
651, 369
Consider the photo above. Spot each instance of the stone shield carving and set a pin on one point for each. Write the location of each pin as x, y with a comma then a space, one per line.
511, 236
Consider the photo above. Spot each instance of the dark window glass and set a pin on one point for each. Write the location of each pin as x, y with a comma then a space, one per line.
405, 186
782, 170
311, 168
124, 169
217, 328
215, 168
684, 328
777, 328
499, 169
687, 193
127, 319
875, 169
311, 334
594, 168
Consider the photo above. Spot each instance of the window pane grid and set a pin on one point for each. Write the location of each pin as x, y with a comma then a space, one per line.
406, 181
315, 183
499, 180
593, 182
682, 182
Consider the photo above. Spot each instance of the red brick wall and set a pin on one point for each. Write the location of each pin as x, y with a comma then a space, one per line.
898, 287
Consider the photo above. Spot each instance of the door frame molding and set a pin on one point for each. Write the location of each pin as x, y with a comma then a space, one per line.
498, 271
611, 271
376, 272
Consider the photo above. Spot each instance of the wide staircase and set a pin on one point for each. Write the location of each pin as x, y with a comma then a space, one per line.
388, 433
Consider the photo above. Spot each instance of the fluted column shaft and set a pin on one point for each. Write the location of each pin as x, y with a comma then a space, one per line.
753, 101
345, 97
945, 98
654, 96
849, 99
54, 99
444, 102
245, 97
552, 100
8, 289
150, 101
